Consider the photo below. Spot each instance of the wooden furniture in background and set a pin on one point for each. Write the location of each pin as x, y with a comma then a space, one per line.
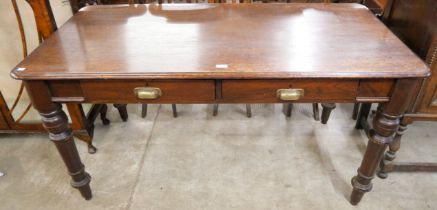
425, 110
415, 23
83, 125
258, 72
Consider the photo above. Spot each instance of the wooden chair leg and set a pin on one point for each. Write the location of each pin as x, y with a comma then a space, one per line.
103, 112
288, 109
355, 112
82, 128
248, 110
122, 110
175, 111
316, 111
215, 110
363, 115
326, 111
143, 110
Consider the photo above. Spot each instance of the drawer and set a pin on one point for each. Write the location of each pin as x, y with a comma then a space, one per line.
265, 91
172, 91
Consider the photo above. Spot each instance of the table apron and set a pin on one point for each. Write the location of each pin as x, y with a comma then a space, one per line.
196, 91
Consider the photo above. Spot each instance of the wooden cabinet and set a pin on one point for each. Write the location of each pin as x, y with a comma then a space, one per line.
415, 23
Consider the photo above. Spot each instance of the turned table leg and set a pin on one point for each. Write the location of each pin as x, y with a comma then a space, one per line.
385, 124
378, 140
326, 111
55, 121
390, 155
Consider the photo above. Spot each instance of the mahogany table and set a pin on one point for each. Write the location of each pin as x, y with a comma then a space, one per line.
223, 53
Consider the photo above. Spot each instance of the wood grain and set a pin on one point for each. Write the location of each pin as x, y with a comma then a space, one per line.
264, 91
173, 41
122, 91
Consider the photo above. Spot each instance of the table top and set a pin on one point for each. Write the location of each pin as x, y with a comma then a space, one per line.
222, 41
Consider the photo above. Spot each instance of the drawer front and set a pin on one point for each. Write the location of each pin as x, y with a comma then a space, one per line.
172, 91
265, 91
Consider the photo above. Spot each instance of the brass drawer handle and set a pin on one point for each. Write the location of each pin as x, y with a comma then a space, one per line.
147, 92
290, 94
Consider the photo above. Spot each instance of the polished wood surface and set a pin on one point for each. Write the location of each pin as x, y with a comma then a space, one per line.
273, 41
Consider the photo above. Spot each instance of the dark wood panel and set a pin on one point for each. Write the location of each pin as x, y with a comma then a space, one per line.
415, 23
265, 91
180, 91
375, 88
65, 88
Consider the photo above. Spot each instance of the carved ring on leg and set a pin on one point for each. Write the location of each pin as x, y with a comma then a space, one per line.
384, 127
60, 133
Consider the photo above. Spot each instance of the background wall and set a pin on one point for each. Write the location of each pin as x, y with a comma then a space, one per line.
10, 42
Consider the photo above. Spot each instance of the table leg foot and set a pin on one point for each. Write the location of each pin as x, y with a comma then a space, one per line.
83, 187
92, 149
356, 196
